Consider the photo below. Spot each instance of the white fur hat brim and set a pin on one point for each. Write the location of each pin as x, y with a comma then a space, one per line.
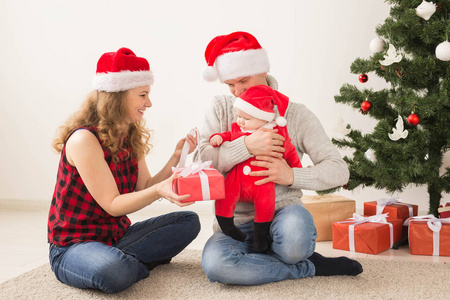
121, 81
233, 65
253, 111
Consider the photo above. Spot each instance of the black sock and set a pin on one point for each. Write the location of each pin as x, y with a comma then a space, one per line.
330, 266
261, 236
228, 227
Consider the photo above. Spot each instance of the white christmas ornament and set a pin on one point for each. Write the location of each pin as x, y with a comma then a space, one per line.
370, 155
377, 45
425, 10
340, 126
398, 132
443, 51
391, 56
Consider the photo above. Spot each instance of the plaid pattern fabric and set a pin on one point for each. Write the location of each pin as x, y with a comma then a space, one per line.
74, 214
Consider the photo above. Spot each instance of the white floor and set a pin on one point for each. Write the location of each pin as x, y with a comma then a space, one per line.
23, 232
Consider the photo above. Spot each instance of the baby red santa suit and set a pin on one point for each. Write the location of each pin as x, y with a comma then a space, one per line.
259, 102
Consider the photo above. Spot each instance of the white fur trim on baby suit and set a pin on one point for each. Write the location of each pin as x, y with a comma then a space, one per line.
253, 111
121, 81
237, 64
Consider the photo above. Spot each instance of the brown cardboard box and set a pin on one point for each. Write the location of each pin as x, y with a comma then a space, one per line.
326, 210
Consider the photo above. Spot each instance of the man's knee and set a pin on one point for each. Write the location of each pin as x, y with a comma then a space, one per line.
295, 235
218, 263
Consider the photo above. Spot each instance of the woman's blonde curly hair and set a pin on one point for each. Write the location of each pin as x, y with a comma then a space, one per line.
107, 111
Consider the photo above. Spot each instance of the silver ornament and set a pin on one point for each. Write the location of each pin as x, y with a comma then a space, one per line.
377, 45
443, 51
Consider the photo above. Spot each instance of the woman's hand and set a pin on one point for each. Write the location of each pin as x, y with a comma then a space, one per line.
278, 170
179, 147
164, 189
265, 142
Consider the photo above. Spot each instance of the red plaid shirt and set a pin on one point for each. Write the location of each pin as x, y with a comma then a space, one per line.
74, 214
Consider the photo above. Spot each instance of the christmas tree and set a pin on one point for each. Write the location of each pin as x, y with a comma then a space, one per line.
407, 145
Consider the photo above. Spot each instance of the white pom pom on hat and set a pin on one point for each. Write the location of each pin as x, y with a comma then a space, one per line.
281, 121
209, 73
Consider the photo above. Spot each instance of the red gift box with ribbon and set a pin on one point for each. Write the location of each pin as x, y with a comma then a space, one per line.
444, 211
206, 184
372, 234
199, 179
394, 206
429, 235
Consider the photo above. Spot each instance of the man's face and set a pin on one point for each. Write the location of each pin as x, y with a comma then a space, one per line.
239, 85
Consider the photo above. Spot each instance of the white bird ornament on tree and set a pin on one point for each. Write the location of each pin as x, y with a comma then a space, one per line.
391, 56
398, 132
340, 126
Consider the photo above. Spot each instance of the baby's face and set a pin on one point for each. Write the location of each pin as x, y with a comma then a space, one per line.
247, 122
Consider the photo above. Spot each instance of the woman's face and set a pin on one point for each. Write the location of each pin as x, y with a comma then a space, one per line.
136, 102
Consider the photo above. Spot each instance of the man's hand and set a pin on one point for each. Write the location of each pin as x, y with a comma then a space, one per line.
278, 171
265, 142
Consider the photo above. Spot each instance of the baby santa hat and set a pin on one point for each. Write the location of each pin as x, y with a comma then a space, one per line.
258, 101
234, 55
121, 71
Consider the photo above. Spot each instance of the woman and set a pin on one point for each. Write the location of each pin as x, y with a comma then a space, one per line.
103, 176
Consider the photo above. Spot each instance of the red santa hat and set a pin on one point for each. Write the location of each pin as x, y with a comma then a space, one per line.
259, 101
121, 71
234, 55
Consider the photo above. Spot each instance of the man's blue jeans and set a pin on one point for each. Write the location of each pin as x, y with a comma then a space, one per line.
226, 260
94, 265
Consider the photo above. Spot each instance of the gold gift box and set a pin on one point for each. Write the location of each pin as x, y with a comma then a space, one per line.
326, 210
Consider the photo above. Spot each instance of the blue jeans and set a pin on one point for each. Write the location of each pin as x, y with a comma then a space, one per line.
94, 265
293, 235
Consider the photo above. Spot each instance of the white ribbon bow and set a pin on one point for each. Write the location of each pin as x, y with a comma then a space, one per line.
434, 224
358, 219
382, 203
195, 167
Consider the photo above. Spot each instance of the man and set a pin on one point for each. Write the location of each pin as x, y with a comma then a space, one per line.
238, 60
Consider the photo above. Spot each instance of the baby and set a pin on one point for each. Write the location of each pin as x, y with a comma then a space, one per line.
255, 109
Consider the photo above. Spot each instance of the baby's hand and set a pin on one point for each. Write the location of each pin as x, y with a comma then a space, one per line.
216, 141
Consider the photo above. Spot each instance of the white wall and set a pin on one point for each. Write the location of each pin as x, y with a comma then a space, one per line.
49, 51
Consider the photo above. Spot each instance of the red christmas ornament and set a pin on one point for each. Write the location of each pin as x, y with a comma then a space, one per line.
413, 119
366, 105
363, 78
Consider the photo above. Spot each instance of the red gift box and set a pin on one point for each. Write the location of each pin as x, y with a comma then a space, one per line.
368, 237
429, 236
395, 208
207, 184
444, 211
